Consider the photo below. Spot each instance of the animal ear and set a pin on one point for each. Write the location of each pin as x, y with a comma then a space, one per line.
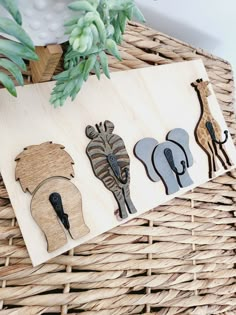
181, 137
91, 133
208, 92
109, 126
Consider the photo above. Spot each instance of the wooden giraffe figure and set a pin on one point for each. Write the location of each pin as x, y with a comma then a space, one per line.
208, 132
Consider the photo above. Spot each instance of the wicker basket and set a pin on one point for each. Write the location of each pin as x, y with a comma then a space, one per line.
177, 259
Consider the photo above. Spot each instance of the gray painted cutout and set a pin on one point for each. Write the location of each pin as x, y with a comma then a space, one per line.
181, 138
172, 181
143, 151
168, 161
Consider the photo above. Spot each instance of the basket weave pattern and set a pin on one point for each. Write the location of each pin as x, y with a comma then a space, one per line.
176, 259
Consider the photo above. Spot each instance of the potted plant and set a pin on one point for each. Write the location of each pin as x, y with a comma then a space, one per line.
93, 29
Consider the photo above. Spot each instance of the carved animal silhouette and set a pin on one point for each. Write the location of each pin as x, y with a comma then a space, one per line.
45, 171
167, 161
110, 163
208, 132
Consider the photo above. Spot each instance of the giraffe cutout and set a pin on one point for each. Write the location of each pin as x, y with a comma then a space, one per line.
208, 132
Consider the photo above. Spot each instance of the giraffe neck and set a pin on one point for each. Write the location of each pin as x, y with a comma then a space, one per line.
205, 110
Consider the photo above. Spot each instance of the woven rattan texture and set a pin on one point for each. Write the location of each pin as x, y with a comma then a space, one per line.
177, 259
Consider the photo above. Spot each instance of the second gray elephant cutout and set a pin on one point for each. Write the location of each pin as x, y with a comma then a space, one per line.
168, 161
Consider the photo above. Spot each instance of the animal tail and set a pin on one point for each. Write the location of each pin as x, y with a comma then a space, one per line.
211, 131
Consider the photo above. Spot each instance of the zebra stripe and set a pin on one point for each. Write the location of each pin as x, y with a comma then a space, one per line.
98, 149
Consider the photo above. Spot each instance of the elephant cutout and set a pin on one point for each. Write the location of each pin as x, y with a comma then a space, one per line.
170, 160
171, 164
143, 151
180, 137
45, 171
111, 164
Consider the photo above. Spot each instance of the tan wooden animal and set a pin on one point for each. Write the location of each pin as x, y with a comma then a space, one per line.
45, 171
208, 132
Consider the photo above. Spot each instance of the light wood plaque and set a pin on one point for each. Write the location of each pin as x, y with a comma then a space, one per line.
141, 103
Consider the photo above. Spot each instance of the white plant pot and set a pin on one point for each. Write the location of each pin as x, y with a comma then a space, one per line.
44, 20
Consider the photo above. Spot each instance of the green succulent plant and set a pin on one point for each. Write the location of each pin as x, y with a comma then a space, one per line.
14, 52
96, 31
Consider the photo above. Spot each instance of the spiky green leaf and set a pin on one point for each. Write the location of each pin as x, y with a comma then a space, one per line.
78, 86
104, 63
17, 49
81, 6
11, 7
18, 61
13, 69
77, 70
9, 27
122, 21
8, 83
137, 14
62, 76
117, 34
112, 48
97, 69
101, 28
71, 22
129, 13
120, 5
90, 62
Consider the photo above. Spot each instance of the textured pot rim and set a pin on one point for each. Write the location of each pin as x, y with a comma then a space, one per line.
44, 28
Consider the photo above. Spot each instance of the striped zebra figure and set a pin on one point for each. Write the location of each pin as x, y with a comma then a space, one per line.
110, 163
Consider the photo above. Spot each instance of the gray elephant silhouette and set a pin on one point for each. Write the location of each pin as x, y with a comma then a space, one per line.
168, 161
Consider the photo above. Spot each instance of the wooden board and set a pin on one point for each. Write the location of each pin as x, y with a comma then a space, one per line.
141, 103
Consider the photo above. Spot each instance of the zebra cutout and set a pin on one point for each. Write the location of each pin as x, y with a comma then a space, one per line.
111, 164
167, 161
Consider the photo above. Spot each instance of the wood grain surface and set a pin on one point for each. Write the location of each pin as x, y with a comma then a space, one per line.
46, 218
141, 103
39, 162
49, 57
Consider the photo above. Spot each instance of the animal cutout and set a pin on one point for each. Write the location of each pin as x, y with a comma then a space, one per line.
45, 171
144, 150
208, 132
171, 164
180, 137
170, 160
111, 164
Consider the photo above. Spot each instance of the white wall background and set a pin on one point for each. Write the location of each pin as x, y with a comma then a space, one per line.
209, 24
